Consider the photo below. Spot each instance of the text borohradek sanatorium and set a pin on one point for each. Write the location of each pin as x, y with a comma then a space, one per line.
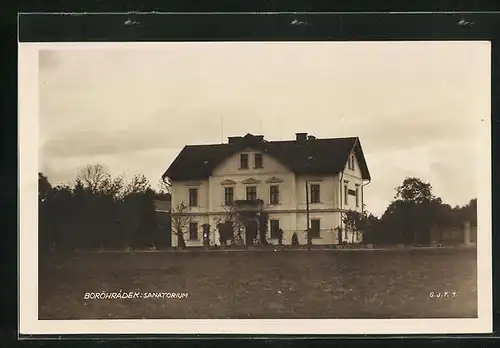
134, 295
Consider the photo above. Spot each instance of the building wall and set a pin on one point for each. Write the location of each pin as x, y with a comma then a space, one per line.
289, 222
291, 210
328, 192
229, 170
180, 194
297, 222
356, 172
231, 166
199, 214
328, 222
353, 179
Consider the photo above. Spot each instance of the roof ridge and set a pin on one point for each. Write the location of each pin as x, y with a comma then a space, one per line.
206, 145
315, 139
271, 141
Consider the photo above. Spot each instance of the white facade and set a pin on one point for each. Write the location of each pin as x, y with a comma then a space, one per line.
290, 211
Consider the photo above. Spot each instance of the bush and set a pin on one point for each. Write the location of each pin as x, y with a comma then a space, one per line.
295, 239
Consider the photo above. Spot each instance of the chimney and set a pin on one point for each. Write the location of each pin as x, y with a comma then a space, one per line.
234, 140
301, 137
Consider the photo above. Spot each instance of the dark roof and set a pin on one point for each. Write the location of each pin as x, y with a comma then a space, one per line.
311, 156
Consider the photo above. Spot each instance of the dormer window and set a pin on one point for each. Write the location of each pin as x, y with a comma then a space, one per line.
258, 160
244, 161
350, 163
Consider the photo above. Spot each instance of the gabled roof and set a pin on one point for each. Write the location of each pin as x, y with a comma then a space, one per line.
310, 156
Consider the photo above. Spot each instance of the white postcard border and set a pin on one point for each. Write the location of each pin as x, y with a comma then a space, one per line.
28, 241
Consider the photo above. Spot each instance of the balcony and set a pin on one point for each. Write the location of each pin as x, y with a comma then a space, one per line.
249, 206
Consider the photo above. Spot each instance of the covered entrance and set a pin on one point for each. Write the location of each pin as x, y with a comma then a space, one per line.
250, 213
251, 229
247, 224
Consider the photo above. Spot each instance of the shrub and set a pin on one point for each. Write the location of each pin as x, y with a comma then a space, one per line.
295, 239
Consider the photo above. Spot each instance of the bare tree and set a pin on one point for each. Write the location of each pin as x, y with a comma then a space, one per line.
180, 222
97, 179
115, 187
355, 222
234, 219
139, 184
94, 177
164, 186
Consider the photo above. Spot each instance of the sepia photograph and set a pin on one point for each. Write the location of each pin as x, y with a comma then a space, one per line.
268, 181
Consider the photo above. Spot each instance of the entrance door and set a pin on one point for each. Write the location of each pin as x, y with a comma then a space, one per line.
206, 234
250, 232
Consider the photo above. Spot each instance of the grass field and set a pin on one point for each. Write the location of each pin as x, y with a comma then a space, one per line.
262, 284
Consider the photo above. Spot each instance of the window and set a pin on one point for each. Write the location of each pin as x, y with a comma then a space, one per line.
315, 228
346, 194
274, 193
193, 197
244, 161
357, 195
275, 228
315, 197
251, 193
258, 160
228, 195
193, 230
350, 163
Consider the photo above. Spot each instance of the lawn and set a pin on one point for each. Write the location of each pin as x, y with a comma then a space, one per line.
262, 284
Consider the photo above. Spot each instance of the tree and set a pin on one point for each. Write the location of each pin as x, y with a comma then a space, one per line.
469, 212
97, 205
414, 190
93, 177
114, 187
97, 211
396, 220
56, 219
135, 206
180, 222
45, 220
232, 222
354, 221
414, 210
263, 227
145, 233
44, 187
364, 222
139, 184
372, 229
164, 186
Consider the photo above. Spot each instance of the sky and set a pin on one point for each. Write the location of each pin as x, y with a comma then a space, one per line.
416, 107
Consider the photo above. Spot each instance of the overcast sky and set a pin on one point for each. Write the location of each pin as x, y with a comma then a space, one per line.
415, 106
